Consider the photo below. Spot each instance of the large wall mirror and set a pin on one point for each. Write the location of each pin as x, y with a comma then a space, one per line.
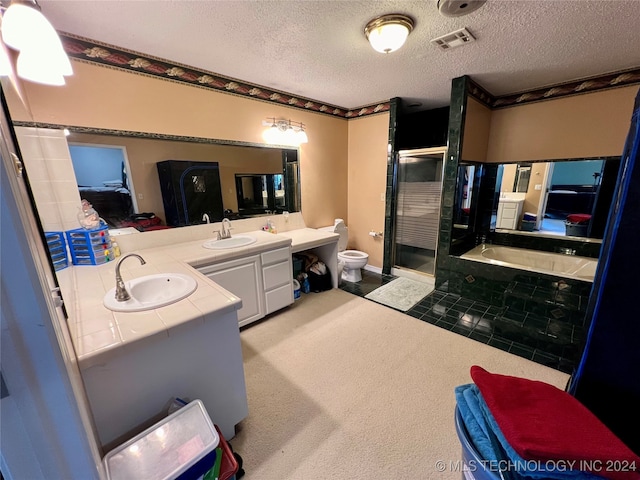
568, 198
119, 174
560, 198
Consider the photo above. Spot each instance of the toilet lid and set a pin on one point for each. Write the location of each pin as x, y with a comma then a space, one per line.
341, 229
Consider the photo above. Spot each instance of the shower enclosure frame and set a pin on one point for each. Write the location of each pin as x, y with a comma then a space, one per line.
389, 262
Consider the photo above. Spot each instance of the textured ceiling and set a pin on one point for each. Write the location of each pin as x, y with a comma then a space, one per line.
317, 49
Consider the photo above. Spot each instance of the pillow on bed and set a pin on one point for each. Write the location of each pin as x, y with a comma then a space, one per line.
542, 422
112, 183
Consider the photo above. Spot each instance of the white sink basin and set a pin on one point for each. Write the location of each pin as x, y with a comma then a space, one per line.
232, 242
152, 291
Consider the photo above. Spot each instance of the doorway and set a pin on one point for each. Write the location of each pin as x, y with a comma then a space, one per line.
417, 215
103, 176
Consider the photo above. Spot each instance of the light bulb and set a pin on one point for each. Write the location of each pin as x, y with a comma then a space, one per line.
301, 136
42, 58
38, 68
290, 137
271, 135
388, 37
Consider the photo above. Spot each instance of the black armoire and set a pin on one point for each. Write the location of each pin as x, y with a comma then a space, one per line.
189, 191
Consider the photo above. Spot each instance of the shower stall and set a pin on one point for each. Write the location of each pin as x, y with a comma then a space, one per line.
417, 216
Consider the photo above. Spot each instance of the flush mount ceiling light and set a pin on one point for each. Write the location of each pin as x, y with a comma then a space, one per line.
284, 132
388, 32
41, 58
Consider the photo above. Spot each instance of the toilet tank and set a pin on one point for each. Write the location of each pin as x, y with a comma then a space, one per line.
340, 228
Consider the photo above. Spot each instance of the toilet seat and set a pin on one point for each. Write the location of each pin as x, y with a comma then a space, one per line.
352, 255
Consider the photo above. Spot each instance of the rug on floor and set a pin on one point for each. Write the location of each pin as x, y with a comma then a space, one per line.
401, 293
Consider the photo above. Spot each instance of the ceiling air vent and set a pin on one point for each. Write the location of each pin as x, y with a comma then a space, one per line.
453, 39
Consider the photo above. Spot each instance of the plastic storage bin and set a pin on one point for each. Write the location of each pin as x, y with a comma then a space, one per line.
576, 229
474, 467
90, 247
181, 446
57, 249
229, 466
298, 265
527, 225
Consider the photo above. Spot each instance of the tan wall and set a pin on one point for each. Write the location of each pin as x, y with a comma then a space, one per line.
477, 123
102, 97
532, 197
143, 154
586, 125
368, 139
508, 178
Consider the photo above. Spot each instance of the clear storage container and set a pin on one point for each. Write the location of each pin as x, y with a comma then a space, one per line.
179, 446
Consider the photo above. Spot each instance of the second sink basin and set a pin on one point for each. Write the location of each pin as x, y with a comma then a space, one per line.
152, 291
232, 242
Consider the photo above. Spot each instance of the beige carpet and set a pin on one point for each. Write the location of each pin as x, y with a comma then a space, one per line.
341, 387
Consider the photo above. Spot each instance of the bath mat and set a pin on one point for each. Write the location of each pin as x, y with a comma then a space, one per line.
401, 293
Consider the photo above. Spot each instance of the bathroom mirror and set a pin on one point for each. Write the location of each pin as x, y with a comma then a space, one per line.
566, 198
464, 194
139, 176
260, 193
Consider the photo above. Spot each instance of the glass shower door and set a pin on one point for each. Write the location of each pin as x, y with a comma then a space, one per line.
419, 182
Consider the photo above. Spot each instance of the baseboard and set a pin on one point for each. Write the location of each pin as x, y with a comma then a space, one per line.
373, 269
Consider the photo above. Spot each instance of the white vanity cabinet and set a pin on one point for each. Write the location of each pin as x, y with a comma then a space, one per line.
277, 273
263, 282
242, 277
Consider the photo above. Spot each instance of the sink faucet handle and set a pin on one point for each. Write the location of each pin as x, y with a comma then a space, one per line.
121, 291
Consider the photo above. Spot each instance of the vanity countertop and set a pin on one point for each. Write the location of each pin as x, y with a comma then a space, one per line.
98, 333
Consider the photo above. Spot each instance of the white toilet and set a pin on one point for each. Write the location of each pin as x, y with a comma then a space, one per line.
353, 260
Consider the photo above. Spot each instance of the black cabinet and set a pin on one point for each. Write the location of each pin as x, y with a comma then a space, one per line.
189, 191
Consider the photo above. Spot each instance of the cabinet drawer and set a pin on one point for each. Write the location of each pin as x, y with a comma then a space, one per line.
279, 298
276, 275
275, 256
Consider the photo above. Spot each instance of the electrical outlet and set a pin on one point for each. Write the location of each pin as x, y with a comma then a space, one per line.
538, 186
140, 196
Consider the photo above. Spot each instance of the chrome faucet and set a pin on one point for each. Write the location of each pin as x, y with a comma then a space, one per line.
205, 218
226, 229
121, 292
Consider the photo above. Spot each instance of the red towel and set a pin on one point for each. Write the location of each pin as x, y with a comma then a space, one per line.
541, 422
579, 218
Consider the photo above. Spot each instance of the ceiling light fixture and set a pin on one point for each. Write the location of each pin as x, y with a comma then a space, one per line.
41, 58
284, 132
388, 33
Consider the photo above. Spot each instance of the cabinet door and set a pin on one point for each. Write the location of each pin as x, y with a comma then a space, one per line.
242, 277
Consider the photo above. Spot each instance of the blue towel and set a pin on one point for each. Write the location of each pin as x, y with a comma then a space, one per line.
482, 428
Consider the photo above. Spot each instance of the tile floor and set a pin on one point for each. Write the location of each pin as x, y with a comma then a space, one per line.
542, 340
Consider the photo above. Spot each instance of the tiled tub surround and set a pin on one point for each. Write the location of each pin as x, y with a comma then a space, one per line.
538, 310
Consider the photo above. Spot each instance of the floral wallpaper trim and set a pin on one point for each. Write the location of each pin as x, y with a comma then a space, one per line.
108, 55
612, 80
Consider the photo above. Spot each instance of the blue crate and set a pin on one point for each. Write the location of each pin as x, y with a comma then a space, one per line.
57, 249
90, 247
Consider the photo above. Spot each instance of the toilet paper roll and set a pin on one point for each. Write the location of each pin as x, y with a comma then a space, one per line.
373, 234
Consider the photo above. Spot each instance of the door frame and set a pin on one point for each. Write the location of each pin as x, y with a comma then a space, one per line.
390, 248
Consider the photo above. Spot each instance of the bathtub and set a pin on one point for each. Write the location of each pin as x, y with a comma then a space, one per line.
570, 266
